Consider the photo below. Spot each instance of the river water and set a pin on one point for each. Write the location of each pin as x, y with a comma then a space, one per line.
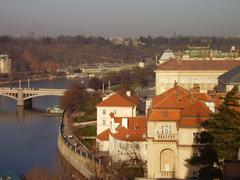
28, 138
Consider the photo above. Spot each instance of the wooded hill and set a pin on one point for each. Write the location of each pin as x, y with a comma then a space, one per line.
35, 54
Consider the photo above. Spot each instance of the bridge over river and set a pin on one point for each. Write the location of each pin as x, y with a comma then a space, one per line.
23, 96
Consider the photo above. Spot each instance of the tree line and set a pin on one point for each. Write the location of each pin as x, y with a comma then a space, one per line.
41, 53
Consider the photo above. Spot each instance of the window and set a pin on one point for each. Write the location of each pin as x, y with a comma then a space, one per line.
195, 134
104, 122
137, 146
104, 111
166, 129
190, 80
209, 80
182, 80
195, 173
195, 154
115, 112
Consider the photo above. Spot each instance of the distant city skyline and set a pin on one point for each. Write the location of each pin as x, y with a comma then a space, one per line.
125, 18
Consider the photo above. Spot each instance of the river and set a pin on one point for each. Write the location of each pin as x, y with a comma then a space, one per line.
28, 138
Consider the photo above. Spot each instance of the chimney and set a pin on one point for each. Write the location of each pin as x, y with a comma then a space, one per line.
128, 93
125, 122
109, 85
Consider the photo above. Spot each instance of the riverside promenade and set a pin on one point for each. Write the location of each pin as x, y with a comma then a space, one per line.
88, 163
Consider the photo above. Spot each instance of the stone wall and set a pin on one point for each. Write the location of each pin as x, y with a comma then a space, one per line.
85, 162
84, 165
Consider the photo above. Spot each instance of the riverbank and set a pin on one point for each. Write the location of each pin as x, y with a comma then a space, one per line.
86, 162
10, 82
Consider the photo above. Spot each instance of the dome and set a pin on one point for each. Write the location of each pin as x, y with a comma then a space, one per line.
167, 54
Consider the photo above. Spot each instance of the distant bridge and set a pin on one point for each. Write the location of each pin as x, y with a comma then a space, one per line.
23, 95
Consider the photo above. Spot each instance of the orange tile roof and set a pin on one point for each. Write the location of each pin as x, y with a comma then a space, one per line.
199, 65
202, 96
120, 99
191, 122
138, 122
104, 136
196, 109
177, 104
157, 99
136, 130
175, 98
124, 134
164, 115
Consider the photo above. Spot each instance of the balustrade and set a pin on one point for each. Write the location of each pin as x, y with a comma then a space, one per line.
166, 137
168, 174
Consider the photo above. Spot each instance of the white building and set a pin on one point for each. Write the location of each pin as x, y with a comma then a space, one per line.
5, 64
125, 140
121, 103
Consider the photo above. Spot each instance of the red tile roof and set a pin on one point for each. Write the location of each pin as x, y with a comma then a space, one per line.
202, 96
199, 65
177, 104
104, 136
120, 99
138, 122
130, 134
136, 130
174, 98
164, 115
191, 122
196, 109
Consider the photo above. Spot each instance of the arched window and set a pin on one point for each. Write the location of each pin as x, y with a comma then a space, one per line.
167, 160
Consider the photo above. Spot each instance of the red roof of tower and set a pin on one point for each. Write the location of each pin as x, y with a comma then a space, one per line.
120, 99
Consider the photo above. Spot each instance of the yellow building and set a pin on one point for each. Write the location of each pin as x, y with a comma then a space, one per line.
192, 73
173, 122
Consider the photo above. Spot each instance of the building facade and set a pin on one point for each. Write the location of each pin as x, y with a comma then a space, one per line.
122, 104
125, 140
206, 53
192, 73
173, 122
5, 65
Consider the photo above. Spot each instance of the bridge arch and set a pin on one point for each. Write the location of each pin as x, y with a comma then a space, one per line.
9, 96
34, 96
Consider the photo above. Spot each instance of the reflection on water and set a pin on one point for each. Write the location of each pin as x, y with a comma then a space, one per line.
21, 115
29, 137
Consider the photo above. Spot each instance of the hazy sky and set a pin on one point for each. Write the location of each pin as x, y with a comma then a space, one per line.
120, 17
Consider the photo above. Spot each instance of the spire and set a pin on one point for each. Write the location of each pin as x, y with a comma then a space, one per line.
103, 87
176, 86
109, 84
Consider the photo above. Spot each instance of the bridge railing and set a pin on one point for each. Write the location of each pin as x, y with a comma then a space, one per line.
31, 89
